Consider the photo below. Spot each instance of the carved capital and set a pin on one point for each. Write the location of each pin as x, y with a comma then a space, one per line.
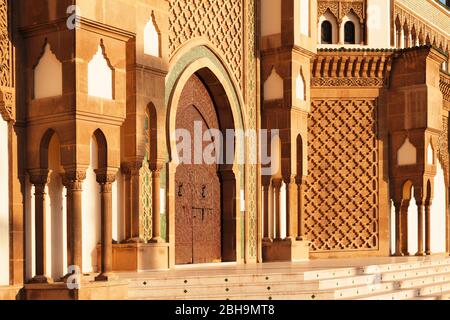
6, 104
156, 166
75, 178
290, 179
39, 178
106, 176
132, 168
277, 183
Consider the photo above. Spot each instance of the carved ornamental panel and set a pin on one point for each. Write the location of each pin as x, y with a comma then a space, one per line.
6, 65
342, 197
341, 8
221, 22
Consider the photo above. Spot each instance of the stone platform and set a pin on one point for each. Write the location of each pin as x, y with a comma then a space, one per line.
416, 278
89, 290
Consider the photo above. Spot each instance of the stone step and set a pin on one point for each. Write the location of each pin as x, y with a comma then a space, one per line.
254, 296
232, 282
346, 290
414, 273
434, 289
215, 280
392, 267
241, 289
392, 295
421, 281
428, 279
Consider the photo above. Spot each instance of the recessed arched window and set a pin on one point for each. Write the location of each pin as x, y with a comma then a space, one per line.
327, 32
349, 33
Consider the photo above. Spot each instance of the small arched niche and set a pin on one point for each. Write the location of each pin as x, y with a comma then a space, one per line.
300, 87
48, 75
407, 154
351, 29
152, 38
100, 76
273, 86
328, 28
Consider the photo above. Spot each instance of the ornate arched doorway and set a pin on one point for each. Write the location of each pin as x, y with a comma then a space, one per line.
198, 214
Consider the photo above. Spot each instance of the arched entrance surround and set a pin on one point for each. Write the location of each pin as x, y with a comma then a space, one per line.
203, 63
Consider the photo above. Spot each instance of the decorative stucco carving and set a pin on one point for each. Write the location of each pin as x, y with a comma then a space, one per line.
341, 8
342, 193
221, 22
7, 110
351, 69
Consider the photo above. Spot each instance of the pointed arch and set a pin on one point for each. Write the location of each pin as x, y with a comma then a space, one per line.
152, 37
44, 148
300, 86
100, 75
152, 133
273, 86
48, 79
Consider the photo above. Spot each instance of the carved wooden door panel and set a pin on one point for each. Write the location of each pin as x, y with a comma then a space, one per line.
198, 203
207, 217
184, 217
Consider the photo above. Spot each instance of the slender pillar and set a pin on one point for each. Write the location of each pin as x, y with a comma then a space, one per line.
106, 178
156, 209
301, 185
420, 209
133, 201
404, 230
76, 179
398, 230
66, 184
277, 188
428, 228
291, 206
266, 195
39, 178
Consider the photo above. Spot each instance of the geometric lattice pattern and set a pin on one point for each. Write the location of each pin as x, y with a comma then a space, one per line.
146, 187
252, 124
146, 194
341, 212
219, 21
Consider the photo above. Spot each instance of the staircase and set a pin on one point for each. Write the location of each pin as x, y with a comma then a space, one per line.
419, 279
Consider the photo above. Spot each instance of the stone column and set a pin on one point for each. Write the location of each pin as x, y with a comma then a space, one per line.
156, 209
267, 203
404, 230
133, 201
39, 178
291, 206
75, 179
276, 183
420, 209
428, 228
398, 230
66, 184
301, 186
106, 178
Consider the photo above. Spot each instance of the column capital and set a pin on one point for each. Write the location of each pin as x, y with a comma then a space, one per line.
75, 175
290, 179
106, 176
156, 166
277, 183
132, 168
74, 179
39, 177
